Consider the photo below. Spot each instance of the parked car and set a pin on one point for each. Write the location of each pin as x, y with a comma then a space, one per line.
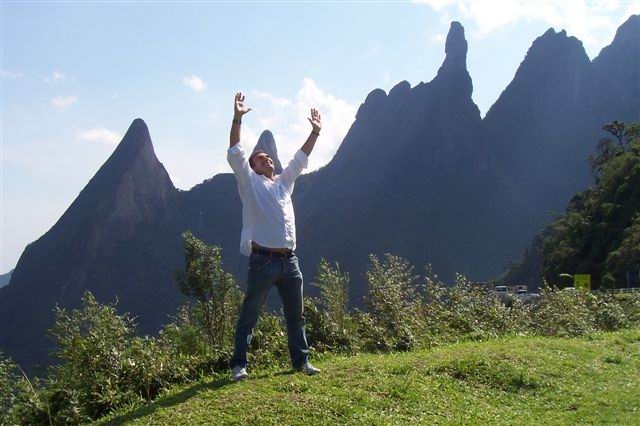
501, 291
525, 296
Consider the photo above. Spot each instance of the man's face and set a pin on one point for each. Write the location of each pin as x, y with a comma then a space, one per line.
262, 164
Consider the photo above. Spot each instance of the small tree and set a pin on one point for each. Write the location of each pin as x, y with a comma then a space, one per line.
393, 303
334, 290
22, 400
563, 313
329, 325
92, 342
216, 291
8, 380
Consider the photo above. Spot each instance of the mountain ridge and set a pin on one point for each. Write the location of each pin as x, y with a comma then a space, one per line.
419, 174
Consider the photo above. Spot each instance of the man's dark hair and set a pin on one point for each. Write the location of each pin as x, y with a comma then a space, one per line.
256, 152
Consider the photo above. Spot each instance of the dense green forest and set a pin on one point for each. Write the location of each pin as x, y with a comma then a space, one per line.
599, 233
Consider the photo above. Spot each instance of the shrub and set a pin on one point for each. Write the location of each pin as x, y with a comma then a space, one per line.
329, 325
607, 311
269, 342
147, 367
563, 313
630, 304
323, 334
186, 335
104, 366
469, 310
189, 345
392, 303
92, 342
20, 402
433, 308
334, 289
215, 290
7, 388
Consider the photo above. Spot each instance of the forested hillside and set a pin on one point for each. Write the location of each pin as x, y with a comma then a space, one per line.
599, 233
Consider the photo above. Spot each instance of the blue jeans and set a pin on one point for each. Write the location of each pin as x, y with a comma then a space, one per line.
284, 273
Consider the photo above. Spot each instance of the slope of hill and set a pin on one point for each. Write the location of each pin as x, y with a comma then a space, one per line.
521, 380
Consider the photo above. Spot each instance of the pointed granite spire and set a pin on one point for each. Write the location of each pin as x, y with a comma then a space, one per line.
453, 76
456, 49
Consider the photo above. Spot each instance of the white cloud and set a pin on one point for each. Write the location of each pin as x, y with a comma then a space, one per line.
593, 22
274, 100
61, 104
56, 77
9, 74
632, 9
439, 38
194, 82
290, 127
101, 135
436, 4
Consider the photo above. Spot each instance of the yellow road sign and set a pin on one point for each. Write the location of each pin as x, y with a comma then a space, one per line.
582, 282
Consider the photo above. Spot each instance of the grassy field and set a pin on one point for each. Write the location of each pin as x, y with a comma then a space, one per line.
520, 380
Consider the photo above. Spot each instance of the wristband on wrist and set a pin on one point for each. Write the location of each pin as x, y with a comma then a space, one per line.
237, 121
313, 132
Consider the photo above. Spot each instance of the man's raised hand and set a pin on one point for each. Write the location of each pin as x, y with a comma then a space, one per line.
316, 124
239, 108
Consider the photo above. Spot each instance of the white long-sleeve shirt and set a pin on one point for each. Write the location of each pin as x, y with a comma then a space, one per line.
267, 211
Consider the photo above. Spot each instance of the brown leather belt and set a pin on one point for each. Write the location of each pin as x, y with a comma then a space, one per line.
279, 254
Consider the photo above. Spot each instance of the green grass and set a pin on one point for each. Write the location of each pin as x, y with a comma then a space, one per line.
519, 380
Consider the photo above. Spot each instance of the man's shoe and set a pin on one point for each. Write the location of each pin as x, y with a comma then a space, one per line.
308, 369
238, 373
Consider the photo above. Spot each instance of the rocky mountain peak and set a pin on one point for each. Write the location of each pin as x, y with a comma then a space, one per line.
402, 88
453, 77
556, 47
373, 102
137, 138
456, 48
130, 187
629, 32
625, 43
619, 65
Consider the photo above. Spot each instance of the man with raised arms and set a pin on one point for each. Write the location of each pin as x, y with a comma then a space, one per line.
269, 239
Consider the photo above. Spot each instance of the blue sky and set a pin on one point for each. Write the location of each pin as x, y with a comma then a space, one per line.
75, 74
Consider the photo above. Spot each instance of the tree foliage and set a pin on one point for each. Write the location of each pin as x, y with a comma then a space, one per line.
216, 291
330, 325
392, 303
599, 234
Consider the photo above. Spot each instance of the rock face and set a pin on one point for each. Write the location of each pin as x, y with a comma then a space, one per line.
5, 278
545, 124
537, 147
91, 247
619, 66
403, 179
419, 174
456, 49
